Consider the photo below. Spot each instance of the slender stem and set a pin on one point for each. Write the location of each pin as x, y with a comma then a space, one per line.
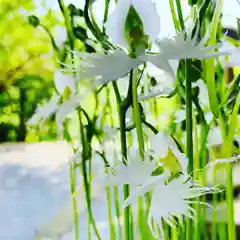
85, 177
111, 223
71, 41
118, 211
136, 113
228, 149
189, 134
85, 152
55, 47
122, 108
174, 15
230, 204
197, 232
106, 11
115, 188
189, 118
138, 124
180, 15
74, 201
88, 21
126, 190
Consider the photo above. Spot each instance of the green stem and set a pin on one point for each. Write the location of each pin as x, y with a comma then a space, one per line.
71, 41
118, 211
140, 136
88, 21
189, 118
122, 108
228, 148
106, 11
136, 113
180, 15
189, 134
55, 47
174, 15
115, 188
111, 223
126, 190
85, 177
74, 201
85, 152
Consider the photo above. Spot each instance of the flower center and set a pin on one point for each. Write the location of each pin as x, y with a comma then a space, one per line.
134, 31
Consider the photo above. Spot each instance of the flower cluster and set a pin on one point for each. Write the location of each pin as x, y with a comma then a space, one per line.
164, 170
118, 62
171, 194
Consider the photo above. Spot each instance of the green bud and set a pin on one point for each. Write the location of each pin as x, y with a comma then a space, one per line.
34, 21
80, 33
73, 11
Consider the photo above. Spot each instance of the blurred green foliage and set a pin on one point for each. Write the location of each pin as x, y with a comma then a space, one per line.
27, 63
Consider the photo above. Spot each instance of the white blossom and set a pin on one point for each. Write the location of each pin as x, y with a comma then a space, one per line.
181, 46
146, 10
63, 81
203, 92
134, 172
108, 67
169, 200
214, 137
161, 144
180, 115
44, 111
66, 108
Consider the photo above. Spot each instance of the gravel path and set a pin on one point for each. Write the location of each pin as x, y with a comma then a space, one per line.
35, 201
34, 194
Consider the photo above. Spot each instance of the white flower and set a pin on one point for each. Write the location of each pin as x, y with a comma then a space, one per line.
233, 59
146, 10
108, 67
161, 146
161, 143
203, 92
62, 81
180, 115
45, 111
135, 172
169, 200
118, 64
62, 111
60, 35
163, 83
214, 137
66, 108
177, 47
208, 117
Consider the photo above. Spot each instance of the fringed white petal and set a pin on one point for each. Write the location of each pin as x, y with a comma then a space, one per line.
178, 48
66, 108
105, 68
45, 111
